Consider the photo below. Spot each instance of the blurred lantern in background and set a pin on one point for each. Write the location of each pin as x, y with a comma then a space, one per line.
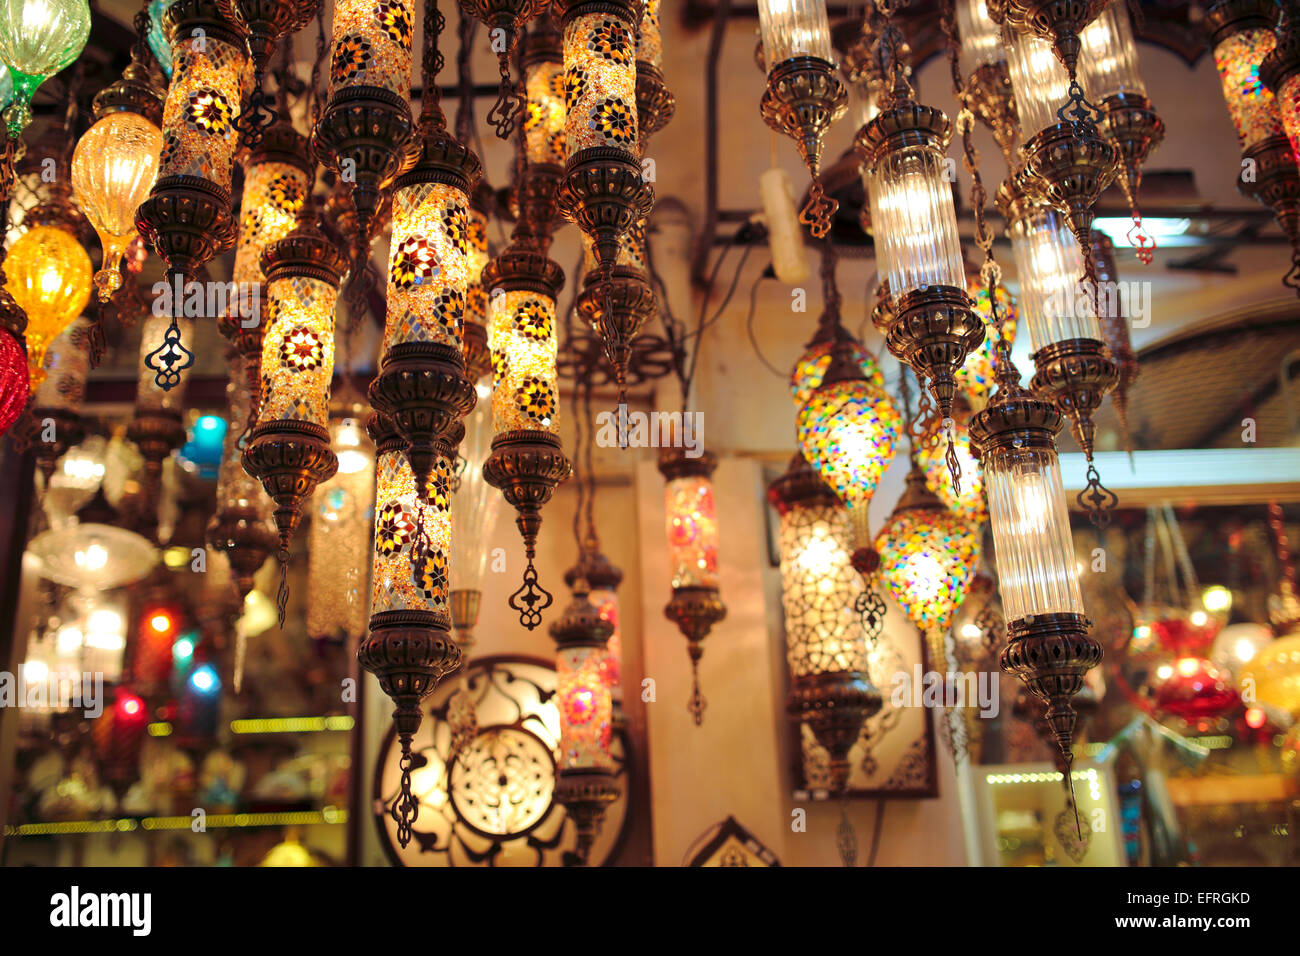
15, 377
474, 509
38, 38
969, 504
339, 537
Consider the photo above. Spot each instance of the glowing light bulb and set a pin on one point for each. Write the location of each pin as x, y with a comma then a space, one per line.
1217, 598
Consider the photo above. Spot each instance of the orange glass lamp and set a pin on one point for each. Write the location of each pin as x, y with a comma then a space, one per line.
115, 164
527, 460
409, 646
49, 275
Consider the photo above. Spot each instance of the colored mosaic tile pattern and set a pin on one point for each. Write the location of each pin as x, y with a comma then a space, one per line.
599, 84
372, 45
692, 526
586, 710
405, 576
521, 335
970, 504
631, 249
649, 43
849, 432
975, 377
273, 194
298, 350
544, 113
927, 558
1251, 105
811, 369
428, 265
202, 111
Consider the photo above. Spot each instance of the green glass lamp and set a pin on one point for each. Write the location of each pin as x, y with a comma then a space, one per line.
38, 38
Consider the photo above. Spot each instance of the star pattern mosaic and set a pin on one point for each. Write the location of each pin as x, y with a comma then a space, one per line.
372, 45
521, 335
599, 84
428, 265
201, 112
298, 350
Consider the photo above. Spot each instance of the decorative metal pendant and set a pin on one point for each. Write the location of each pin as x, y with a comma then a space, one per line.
505, 19
266, 22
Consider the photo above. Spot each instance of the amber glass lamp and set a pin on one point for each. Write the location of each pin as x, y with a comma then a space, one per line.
49, 275
115, 164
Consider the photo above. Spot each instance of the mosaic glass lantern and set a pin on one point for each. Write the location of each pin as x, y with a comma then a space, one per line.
115, 164
934, 326
585, 776
408, 646
339, 537
527, 460
362, 134
804, 96
49, 275
1242, 36
187, 217
969, 504
810, 371
691, 519
38, 38
927, 558
1048, 645
603, 191
505, 19
478, 358
848, 431
1276, 180
266, 22
655, 103
826, 647
975, 377
544, 139
288, 449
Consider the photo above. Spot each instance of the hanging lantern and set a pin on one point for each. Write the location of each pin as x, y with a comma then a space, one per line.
975, 377
57, 396
1070, 159
527, 460
422, 384
1127, 119
804, 95
692, 524
969, 504
156, 428
363, 132
544, 143
115, 164
603, 190
603, 578
187, 218
655, 103
266, 23
585, 781
826, 647
49, 276
159, 45
15, 378
810, 371
934, 326
848, 429
339, 537
288, 450
1195, 690
505, 19
38, 38
988, 91
927, 558
1048, 645
617, 302
409, 646
1114, 329
478, 357
242, 527
1275, 671
1072, 365
1260, 72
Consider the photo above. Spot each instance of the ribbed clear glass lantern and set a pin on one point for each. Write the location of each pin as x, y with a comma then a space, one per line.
1039, 82
1052, 303
1109, 62
1031, 533
337, 601
792, 28
981, 38
1251, 104
913, 220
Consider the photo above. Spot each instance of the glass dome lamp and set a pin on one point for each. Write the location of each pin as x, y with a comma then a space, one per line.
988, 92
1275, 671
1110, 67
826, 644
1049, 646
93, 556
38, 38
933, 326
1073, 366
79, 474
805, 95
49, 275
116, 161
